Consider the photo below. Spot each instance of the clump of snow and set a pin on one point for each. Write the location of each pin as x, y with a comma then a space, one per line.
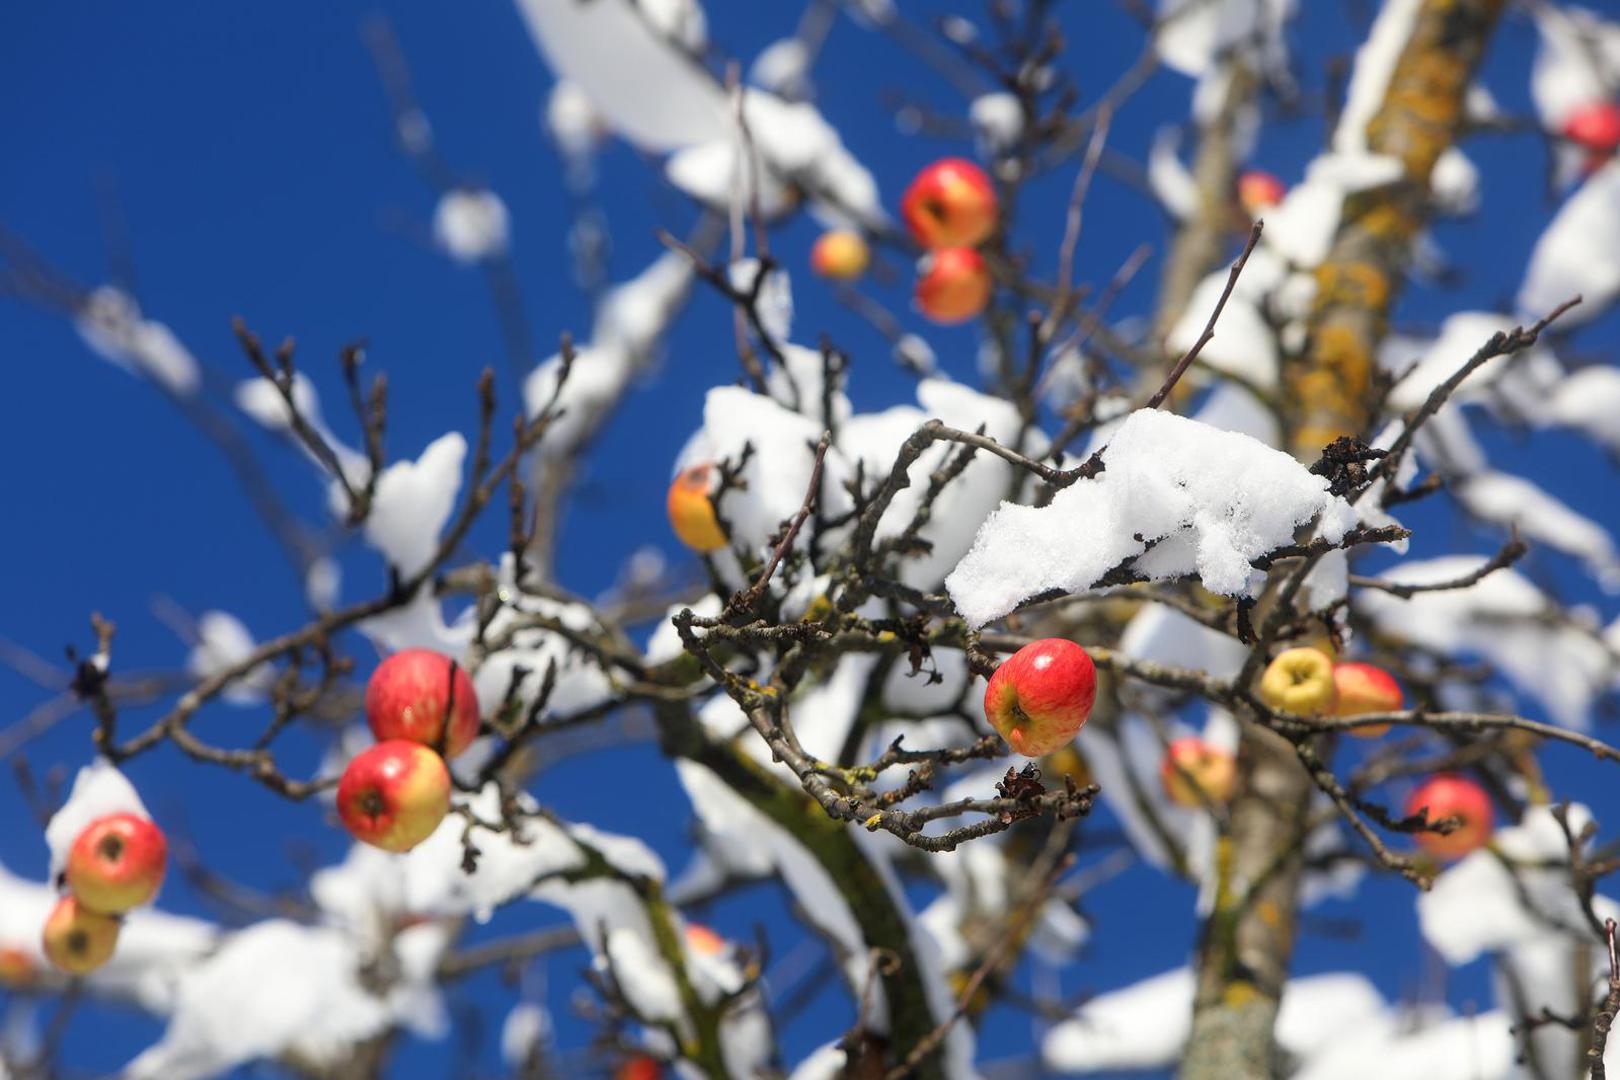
222, 642
1575, 253
775, 295
998, 121
1177, 498
1374, 67
1168, 175
1478, 1047
1502, 618
471, 224
647, 91
573, 124
262, 401
679, 21
1144, 1025
275, 988
154, 947
1461, 335
1515, 501
1193, 35
1588, 400
526, 1029
783, 68
1302, 227
111, 323
777, 472
413, 502
1514, 902
625, 333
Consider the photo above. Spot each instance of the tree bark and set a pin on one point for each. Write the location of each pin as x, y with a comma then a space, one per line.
1332, 391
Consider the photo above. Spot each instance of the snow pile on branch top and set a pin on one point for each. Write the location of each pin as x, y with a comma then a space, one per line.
1178, 497
1575, 255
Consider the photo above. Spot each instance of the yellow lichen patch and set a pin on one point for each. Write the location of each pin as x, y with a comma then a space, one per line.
1269, 913
1239, 994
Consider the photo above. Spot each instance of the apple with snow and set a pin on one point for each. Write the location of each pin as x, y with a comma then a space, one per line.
77, 940
1361, 688
1299, 681
117, 863
1258, 190
393, 795
425, 697
1196, 774
1595, 128
691, 509
1451, 795
950, 204
1041, 695
841, 255
953, 285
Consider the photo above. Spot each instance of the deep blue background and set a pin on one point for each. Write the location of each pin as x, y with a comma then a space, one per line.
252, 154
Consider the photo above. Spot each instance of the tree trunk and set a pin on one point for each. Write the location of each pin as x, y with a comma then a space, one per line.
1332, 392
1248, 940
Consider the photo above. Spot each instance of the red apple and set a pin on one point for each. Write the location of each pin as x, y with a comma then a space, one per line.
640, 1067
953, 285
1040, 696
1258, 190
17, 967
1447, 795
1595, 128
117, 863
1196, 774
1361, 689
691, 510
841, 255
78, 940
425, 697
394, 794
950, 204
1299, 681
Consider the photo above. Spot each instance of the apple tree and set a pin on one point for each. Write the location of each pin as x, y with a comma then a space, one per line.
1261, 573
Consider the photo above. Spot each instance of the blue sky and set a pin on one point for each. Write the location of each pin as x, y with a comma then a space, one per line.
251, 154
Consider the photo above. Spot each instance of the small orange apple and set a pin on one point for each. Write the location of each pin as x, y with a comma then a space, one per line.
1363, 688
1196, 774
691, 510
704, 941
78, 940
17, 967
393, 795
953, 285
840, 254
116, 863
951, 203
1299, 681
1259, 190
